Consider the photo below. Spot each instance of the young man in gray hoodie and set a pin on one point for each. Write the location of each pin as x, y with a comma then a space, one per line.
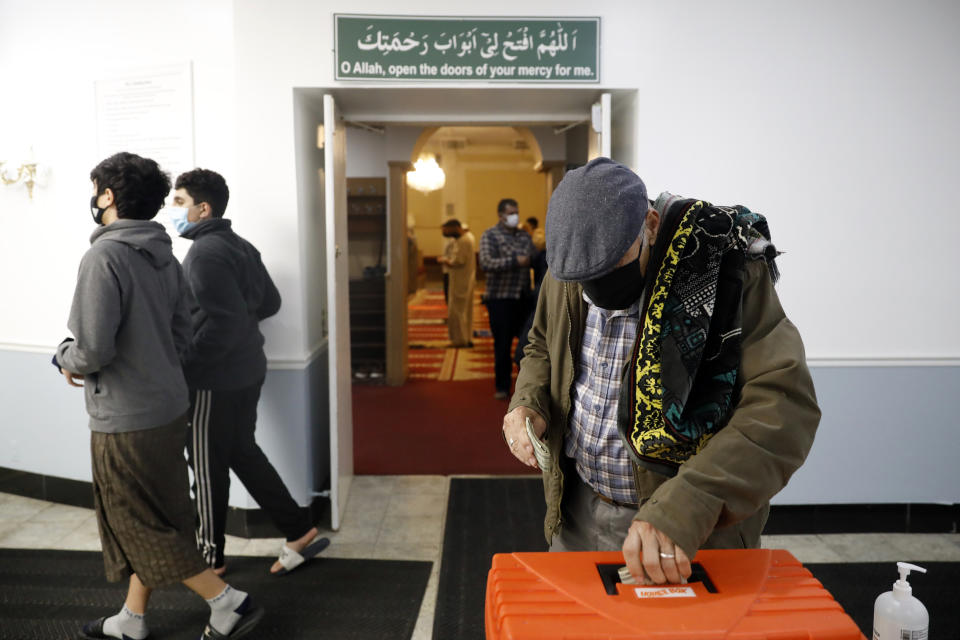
131, 328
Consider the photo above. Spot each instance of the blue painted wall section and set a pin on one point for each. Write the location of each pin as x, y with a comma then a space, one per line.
888, 433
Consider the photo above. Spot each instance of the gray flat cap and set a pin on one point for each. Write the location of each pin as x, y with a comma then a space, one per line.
594, 215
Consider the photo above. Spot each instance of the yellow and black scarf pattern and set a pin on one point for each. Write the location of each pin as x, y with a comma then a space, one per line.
649, 436
686, 358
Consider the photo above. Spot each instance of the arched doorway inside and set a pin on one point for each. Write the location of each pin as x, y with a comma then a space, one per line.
445, 413
481, 165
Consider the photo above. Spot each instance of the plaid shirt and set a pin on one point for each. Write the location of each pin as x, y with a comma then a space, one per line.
499, 249
593, 441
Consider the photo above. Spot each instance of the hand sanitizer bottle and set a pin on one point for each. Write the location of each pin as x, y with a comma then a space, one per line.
897, 615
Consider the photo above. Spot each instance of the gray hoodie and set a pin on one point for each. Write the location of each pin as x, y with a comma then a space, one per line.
131, 320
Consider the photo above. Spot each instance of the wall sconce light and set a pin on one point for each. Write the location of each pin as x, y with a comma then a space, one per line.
28, 173
427, 175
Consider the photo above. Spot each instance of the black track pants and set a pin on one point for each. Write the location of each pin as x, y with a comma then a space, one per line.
221, 438
506, 320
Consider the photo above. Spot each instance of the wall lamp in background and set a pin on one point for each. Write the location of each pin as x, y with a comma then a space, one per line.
28, 173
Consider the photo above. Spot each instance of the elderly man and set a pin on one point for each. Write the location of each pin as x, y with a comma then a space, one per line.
671, 390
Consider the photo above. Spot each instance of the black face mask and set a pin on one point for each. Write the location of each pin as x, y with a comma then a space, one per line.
96, 211
618, 289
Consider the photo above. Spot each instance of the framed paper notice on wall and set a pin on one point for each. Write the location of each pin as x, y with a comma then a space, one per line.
149, 112
467, 49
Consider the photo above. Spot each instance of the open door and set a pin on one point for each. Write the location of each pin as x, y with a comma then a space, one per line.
613, 127
338, 304
623, 127
601, 140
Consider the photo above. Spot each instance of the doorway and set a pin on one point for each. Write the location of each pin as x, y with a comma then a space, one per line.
388, 123
479, 166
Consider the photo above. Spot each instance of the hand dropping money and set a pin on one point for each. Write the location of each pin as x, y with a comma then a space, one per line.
540, 450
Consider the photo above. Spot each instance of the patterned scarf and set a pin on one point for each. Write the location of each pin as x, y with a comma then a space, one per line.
680, 389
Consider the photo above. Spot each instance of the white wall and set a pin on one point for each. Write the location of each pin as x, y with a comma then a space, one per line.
366, 154
830, 119
51, 53
311, 188
837, 120
553, 146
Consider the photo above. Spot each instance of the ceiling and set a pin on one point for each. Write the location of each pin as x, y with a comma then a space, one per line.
474, 142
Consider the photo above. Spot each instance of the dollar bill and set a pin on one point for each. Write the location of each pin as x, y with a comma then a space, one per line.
625, 576
540, 450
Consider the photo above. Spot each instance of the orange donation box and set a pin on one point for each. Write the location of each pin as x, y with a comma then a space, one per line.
749, 594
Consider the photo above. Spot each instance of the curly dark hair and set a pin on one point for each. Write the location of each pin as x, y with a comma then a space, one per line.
139, 185
506, 202
207, 186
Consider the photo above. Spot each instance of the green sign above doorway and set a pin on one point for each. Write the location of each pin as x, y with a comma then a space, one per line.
418, 48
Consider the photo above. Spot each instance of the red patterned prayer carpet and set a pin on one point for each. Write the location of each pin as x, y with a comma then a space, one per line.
444, 420
430, 359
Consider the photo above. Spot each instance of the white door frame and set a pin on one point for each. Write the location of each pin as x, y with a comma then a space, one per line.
338, 304
340, 409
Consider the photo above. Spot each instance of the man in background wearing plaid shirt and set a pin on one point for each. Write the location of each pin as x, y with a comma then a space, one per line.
505, 252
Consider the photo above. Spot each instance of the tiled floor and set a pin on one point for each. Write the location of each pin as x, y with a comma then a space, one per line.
402, 517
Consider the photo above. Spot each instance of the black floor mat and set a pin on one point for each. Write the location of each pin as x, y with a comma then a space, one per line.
488, 516
856, 585
50, 594
484, 516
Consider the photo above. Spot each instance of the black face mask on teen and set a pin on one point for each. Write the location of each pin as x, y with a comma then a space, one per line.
96, 211
618, 289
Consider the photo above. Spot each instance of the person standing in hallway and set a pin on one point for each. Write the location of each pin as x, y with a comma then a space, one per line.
505, 253
538, 262
448, 242
460, 260
225, 370
131, 327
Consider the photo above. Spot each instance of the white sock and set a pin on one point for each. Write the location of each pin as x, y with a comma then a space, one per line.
223, 609
126, 624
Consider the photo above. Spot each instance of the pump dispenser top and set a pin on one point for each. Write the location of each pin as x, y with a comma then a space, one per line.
897, 615
901, 586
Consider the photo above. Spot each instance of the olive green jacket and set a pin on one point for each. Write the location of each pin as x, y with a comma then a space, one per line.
720, 497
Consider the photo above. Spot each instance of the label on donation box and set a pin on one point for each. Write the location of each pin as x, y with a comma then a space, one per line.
665, 592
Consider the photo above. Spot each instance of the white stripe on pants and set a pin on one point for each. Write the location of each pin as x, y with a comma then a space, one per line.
201, 473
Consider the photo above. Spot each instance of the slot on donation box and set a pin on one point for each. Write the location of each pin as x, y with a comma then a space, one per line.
610, 575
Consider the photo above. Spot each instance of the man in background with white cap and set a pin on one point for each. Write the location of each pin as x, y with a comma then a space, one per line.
669, 389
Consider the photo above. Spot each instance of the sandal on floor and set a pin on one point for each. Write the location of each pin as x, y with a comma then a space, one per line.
250, 615
290, 559
93, 630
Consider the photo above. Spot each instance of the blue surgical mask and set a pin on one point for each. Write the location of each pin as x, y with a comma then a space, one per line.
178, 216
